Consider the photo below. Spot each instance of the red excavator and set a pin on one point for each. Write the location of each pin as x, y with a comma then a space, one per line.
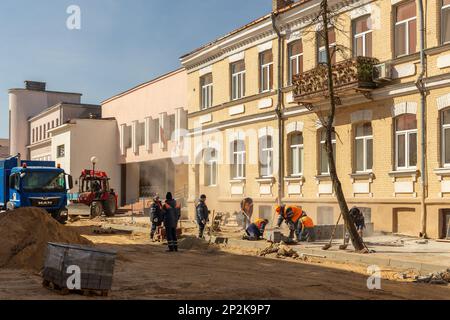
95, 192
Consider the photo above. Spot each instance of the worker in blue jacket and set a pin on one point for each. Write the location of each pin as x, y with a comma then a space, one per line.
171, 215
202, 215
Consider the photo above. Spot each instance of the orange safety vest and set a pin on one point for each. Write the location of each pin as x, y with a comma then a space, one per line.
259, 223
297, 213
307, 222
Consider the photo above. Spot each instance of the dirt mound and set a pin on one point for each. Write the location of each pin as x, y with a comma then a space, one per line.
192, 243
24, 236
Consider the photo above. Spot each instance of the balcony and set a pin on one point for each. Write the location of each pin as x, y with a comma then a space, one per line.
350, 76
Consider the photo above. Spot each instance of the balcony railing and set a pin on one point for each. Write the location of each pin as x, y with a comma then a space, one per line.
351, 75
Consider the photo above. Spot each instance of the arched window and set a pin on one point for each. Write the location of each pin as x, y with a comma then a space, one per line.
324, 166
211, 167
364, 147
296, 148
266, 156
406, 142
238, 159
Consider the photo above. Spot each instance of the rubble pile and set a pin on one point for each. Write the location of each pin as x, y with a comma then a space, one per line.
25, 234
435, 278
281, 250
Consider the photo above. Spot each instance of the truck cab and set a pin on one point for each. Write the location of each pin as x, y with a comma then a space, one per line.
34, 184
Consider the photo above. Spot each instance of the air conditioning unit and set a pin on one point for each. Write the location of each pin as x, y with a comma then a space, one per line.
382, 72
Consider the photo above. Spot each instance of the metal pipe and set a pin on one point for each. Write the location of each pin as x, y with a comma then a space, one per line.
278, 111
423, 101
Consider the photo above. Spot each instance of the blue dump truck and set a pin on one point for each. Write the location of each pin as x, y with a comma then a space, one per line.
34, 184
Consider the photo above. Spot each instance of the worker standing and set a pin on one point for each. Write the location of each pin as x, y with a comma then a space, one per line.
171, 216
155, 215
202, 215
291, 215
307, 228
255, 231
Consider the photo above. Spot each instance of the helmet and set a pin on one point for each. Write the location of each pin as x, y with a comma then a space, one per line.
278, 209
156, 197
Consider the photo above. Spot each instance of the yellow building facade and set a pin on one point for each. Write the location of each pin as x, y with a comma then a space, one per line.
253, 132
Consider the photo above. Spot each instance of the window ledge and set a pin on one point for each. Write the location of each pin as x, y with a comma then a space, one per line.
363, 175
238, 180
405, 173
265, 180
294, 179
323, 177
442, 171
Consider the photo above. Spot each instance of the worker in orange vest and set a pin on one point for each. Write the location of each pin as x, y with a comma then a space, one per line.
291, 215
255, 231
307, 228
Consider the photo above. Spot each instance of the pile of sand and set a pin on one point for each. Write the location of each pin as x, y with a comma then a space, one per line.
25, 234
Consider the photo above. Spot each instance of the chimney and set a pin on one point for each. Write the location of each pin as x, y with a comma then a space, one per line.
280, 4
35, 85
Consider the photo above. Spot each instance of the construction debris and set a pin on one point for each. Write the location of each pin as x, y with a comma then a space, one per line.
281, 250
435, 278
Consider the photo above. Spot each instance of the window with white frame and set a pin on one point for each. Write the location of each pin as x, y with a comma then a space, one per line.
364, 147
322, 53
295, 52
206, 94
266, 71
405, 29
362, 37
266, 156
406, 141
445, 21
445, 116
297, 153
211, 167
61, 151
324, 166
238, 80
238, 159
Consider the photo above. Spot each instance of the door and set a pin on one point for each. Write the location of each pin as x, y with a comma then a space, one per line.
446, 224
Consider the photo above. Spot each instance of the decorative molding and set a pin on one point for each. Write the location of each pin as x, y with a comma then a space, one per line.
239, 109
443, 102
205, 118
362, 115
404, 108
265, 131
361, 11
443, 61
296, 126
293, 36
237, 57
265, 46
205, 70
290, 97
404, 70
265, 103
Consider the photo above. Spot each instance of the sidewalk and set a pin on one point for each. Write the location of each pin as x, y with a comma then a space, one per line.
390, 250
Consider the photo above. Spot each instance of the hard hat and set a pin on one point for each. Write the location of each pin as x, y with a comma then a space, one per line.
278, 209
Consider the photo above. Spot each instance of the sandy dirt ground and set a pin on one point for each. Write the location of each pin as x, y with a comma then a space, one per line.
145, 271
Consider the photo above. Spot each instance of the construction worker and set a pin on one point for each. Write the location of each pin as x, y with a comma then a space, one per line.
155, 215
171, 215
307, 228
202, 215
358, 220
255, 231
291, 215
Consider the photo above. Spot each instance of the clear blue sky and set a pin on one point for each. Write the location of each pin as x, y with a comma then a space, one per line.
121, 42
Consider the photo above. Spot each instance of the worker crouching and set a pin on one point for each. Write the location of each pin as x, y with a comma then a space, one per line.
291, 215
307, 228
202, 215
255, 231
171, 214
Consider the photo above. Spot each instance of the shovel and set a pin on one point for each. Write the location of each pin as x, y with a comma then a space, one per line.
328, 246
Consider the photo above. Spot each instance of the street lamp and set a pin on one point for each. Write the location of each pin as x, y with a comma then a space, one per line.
94, 161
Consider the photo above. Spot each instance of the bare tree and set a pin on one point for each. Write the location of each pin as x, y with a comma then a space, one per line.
328, 124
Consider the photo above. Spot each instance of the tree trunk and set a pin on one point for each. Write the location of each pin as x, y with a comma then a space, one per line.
329, 126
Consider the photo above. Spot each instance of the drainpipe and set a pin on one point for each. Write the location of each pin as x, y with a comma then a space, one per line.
423, 101
279, 112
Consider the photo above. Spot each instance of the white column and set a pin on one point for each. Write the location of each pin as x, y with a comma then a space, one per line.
122, 139
134, 136
180, 123
149, 131
163, 126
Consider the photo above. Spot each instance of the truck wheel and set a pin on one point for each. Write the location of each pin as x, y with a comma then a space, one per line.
110, 206
96, 209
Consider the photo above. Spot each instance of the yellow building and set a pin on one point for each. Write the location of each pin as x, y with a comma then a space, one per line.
253, 134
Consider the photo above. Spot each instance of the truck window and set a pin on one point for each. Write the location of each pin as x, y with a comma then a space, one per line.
44, 181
